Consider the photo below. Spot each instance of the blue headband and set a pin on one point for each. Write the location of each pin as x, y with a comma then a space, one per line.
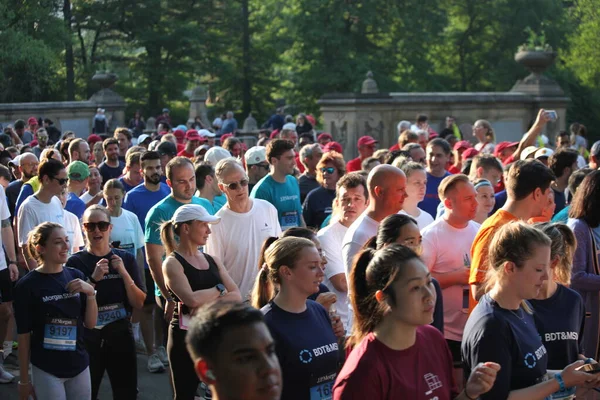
483, 182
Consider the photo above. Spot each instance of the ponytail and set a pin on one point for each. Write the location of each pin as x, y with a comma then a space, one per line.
261, 257
167, 236
263, 290
371, 243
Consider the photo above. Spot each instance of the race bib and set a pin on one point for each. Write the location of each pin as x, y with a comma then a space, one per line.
184, 319
321, 388
289, 220
110, 313
60, 334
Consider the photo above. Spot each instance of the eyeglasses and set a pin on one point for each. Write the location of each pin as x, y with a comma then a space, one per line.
60, 181
265, 166
91, 226
329, 170
236, 185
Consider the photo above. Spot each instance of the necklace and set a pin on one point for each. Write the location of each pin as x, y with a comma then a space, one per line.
522, 318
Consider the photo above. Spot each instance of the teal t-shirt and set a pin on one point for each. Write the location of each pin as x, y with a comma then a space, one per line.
217, 203
562, 215
284, 196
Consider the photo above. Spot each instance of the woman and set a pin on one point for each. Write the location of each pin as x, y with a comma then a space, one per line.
302, 124
484, 133
94, 194
306, 344
52, 306
416, 184
116, 278
396, 354
318, 203
193, 279
98, 153
584, 221
233, 146
502, 329
486, 200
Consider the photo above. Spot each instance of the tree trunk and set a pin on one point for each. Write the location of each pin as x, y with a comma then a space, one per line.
155, 78
246, 84
69, 59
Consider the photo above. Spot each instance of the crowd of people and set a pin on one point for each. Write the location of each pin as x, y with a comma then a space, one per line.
436, 269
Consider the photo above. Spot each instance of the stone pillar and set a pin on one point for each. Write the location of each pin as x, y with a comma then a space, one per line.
198, 106
108, 99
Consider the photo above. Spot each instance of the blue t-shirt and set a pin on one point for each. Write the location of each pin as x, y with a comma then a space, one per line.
126, 185
284, 196
560, 200
229, 126
509, 338
307, 350
317, 206
500, 197
432, 199
140, 200
54, 317
562, 216
26, 191
12, 194
217, 203
75, 205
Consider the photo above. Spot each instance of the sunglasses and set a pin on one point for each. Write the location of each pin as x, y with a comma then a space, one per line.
329, 170
62, 181
91, 226
236, 185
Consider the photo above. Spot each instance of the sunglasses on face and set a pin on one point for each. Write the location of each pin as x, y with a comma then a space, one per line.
236, 185
62, 181
329, 170
91, 226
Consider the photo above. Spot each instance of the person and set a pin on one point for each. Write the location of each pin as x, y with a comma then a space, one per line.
574, 182
369, 163
306, 343
52, 305
594, 161
28, 166
78, 174
119, 289
504, 150
257, 166
275, 121
302, 124
288, 132
192, 142
245, 221
416, 184
563, 164
405, 136
230, 124
93, 193
137, 124
366, 147
79, 150
318, 204
234, 352
234, 147
438, 154
211, 197
100, 122
25, 135
164, 118
123, 137
111, 167
485, 135
309, 157
193, 279
132, 173
584, 221
42, 138
72, 224
352, 197
98, 153
485, 199
279, 187
446, 247
528, 191
502, 329
395, 353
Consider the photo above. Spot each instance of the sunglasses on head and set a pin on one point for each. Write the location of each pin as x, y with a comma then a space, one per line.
91, 226
60, 181
236, 185
329, 170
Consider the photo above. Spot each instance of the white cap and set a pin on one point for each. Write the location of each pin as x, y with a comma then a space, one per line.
289, 126
193, 212
16, 161
255, 155
528, 151
543, 152
206, 133
142, 137
216, 154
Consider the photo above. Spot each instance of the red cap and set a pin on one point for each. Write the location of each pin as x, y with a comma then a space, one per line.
333, 146
33, 143
93, 139
193, 134
366, 141
179, 135
225, 137
311, 119
32, 121
463, 144
469, 153
324, 135
503, 146
274, 134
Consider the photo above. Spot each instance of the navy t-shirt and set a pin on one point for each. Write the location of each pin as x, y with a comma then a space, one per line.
12, 194
560, 320
322, 289
54, 317
509, 338
560, 200
307, 350
317, 206
500, 198
107, 172
432, 199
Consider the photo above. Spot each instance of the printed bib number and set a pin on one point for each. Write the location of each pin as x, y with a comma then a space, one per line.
184, 319
289, 220
110, 313
60, 334
321, 388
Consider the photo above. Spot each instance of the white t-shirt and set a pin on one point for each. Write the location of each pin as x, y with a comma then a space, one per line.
33, 212
487, 148
127, 230
73, 228
423, 220
331, 238
86, 197
238, 238
361, 230
446, 249
4, 215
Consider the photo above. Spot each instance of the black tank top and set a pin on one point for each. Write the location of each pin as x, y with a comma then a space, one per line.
199, 279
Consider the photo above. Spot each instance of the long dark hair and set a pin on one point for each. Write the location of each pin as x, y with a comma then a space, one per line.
586, 203
389, 230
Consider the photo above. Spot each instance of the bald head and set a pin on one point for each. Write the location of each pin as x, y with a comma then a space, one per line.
387, 190
28, 157
382, 176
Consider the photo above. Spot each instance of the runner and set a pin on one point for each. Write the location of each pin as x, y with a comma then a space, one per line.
485, 199
318, 204
416, 184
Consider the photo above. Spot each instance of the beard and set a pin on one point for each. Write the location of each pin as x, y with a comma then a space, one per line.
153, 179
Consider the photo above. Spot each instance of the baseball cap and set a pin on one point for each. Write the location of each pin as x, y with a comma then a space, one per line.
216, 154
16, 161
468, 153
78, 171
192, 134
225, 136
463, 144
289, 126
333, 146
500, 147
595, 151
324, 136
274, 134
179, 134
164, 110
182, 127
528, 151
32, 121
206, 133
311, 119
543, 152
255, 155
93, 139
143, 137
366, 141
167, 149
193, 212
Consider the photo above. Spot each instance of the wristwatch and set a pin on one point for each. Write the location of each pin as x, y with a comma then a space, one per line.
222, 290
12, 263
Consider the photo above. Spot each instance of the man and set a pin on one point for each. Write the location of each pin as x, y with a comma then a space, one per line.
164, 118
144, 140
207, 137
457, 151
208, 188
279, 187
133, 172
245, 222
42, 138
528, 195
324, 138
32, 126
192, 141
446, 248
53, 132
276, 120
366, 147
416, 152
309, 157
594, 162
542, 155
112, 167
451, 129
78, 174
404, 138
167, 152
230, 124
437, 155
504, 150
234, 353
123, 136
79, 150
182, 181
25, 136
352, 198
257, 166
289, 132
562, 164
27, 164
422, 124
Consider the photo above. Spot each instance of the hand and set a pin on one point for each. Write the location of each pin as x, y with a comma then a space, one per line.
100, 270
482, 379
25, 391
79, 286
576, 378
117, 263
338, 326
169, 308
14, 272
326, 299
542, 117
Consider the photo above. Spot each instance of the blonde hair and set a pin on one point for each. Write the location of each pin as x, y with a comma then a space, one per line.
168, 230
563, 247
489, 135
39, 237
225, 166
449, 183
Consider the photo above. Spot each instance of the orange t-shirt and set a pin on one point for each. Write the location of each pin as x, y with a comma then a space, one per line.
479, 249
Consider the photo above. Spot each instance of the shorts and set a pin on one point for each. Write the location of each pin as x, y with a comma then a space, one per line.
6, 286
456, 354
149, 287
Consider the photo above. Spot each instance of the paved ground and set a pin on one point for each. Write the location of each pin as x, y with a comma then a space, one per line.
152, 386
